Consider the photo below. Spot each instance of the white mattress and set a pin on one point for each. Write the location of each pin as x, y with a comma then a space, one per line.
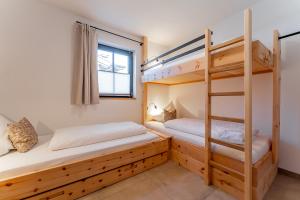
260, 144
40, 157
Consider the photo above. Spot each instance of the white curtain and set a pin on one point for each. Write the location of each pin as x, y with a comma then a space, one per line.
85, 80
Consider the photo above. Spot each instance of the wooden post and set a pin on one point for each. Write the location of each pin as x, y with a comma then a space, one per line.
145, 86
276, 97
248, 103
207, 106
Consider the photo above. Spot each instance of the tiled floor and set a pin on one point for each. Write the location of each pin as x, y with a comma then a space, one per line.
171, 182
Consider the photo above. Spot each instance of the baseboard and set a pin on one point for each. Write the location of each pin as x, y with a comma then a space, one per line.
288, 173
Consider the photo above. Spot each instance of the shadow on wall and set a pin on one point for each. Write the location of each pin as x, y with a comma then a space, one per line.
182, 111
6, 117
43, 129
40, 128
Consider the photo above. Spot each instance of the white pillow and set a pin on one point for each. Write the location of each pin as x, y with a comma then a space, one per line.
5, 143
162, 116
91, 134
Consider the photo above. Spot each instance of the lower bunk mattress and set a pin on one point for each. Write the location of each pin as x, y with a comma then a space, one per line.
260, 145
40, 157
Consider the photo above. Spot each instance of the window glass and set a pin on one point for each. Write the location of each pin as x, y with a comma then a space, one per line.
121, 63
106, 82
122, 83
105, 60
115, 67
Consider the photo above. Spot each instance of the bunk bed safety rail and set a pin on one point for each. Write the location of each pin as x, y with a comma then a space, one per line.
227, 43
157, 59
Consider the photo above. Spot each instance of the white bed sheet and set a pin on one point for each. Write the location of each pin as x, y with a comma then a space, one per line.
260, 145
15, 164
227, 131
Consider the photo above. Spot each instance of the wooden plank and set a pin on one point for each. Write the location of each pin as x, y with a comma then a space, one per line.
196, 152
261, 167
265, 183
228, 183
145, 86
37, 182
227, 43
226, 169
207, 106
276, 97
145, 49
188, 162
91, 184
248, 103
227, 144
226, 68
185, 153
262, 56
228, 119
234, 186
226, 94
145, 103
229, 162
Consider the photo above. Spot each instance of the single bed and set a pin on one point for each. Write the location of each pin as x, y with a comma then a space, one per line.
74, 172
187, 150
261, 144
15, 164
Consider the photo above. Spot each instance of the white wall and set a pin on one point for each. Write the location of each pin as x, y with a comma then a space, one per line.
36, 59
189, 100
267, 16
155, 49
158, 94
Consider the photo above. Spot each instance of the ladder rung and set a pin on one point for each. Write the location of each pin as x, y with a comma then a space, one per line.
226, 94
227, 144
226, 68
227, 43
228, 119
227, 169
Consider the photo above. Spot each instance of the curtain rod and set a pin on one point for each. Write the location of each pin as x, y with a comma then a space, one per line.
113, 33
289, 35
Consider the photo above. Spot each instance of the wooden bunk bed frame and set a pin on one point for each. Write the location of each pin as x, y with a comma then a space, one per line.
237, 57
78, 178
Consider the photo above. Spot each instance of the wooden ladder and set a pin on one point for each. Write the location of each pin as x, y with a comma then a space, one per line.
247, 93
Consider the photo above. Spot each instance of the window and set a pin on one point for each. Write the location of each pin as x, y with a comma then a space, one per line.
115, 72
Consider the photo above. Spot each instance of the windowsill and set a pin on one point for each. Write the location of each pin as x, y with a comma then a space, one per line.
116, 98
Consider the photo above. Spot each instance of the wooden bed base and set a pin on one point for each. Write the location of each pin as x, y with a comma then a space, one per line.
76, 179
227, 173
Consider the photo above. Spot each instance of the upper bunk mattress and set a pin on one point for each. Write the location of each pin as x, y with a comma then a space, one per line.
190, 68
40, 157
260, 144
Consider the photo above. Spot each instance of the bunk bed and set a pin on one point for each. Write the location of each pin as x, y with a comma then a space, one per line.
248, 178
191, 68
